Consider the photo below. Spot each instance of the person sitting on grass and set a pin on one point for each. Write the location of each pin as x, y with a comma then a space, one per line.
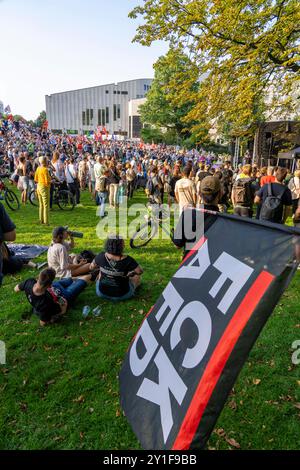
58, 256
7, 234
120, 275
50, 300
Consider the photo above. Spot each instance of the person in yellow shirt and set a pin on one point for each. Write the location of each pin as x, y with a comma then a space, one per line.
43, 180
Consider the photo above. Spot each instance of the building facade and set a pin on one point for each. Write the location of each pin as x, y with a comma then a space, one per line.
81, 111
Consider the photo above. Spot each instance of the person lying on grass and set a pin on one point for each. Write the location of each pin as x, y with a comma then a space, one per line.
120, 275
50, 300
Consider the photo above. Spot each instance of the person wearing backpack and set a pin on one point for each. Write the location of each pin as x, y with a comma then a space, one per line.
276, 198
242, 194
154, 186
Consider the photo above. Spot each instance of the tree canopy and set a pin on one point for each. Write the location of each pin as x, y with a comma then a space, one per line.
41, 119
162, 108
244, 51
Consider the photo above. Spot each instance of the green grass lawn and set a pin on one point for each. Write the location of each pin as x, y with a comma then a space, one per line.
59, 388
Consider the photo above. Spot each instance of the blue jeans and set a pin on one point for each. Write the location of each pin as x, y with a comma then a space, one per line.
101, 199
70, 289
127, 296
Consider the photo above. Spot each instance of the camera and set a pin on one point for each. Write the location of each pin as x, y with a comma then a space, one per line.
74, 234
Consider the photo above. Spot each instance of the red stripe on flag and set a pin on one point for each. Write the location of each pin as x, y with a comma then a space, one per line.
195, 248
218, 361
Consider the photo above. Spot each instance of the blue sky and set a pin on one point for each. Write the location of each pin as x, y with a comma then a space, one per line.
56, 45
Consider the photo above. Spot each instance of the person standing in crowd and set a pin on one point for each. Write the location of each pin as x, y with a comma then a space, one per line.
243, 192
268, 178
43, 180
281, 196
113, 180
102, 187
58, 168
294, 187
91, 177
98, 170
193, 224
175, 176
72, 179
120, 275
83, 172
123, 187
7, 234
23, 182
130, 177
185, 190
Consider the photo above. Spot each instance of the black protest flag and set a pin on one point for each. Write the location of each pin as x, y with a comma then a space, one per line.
190, 349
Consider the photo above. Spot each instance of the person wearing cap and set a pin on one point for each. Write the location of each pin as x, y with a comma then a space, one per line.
58, 255
43, 180
193, 223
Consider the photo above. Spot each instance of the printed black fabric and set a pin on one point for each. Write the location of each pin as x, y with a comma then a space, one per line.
185, 358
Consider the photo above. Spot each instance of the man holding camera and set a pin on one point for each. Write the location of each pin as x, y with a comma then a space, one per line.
59, 258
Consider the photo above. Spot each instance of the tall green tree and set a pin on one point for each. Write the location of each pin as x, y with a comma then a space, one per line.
41, 119
164, 108
244, 51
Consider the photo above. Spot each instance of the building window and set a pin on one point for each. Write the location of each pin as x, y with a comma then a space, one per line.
99, 117
87, 117
115, 112
119, 111
83, 118
107, 115
107, 92
115, 92
124, 92
118, 92
103, 117
91, 116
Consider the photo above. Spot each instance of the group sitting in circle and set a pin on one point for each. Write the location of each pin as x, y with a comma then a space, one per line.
116, 274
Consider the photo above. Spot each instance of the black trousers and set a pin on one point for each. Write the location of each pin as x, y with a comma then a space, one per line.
75, 190
130, 189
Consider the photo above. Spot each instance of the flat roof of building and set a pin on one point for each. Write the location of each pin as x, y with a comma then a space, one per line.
98, 86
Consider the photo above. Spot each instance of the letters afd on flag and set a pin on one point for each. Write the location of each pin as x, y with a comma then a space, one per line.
186, 357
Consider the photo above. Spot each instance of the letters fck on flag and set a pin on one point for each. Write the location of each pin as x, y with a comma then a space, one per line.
186, 357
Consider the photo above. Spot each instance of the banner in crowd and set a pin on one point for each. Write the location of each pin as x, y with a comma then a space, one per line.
186, 357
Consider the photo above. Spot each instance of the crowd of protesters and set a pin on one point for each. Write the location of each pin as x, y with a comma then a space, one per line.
111, 171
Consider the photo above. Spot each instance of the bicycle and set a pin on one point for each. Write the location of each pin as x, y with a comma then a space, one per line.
62, 197
147, 231
9, 196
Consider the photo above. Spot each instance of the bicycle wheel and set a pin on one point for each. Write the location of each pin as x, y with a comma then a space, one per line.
143, 236
33, 199
11, 200
65, 200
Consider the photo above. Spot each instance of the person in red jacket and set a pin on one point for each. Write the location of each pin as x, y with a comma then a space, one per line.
269, 178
